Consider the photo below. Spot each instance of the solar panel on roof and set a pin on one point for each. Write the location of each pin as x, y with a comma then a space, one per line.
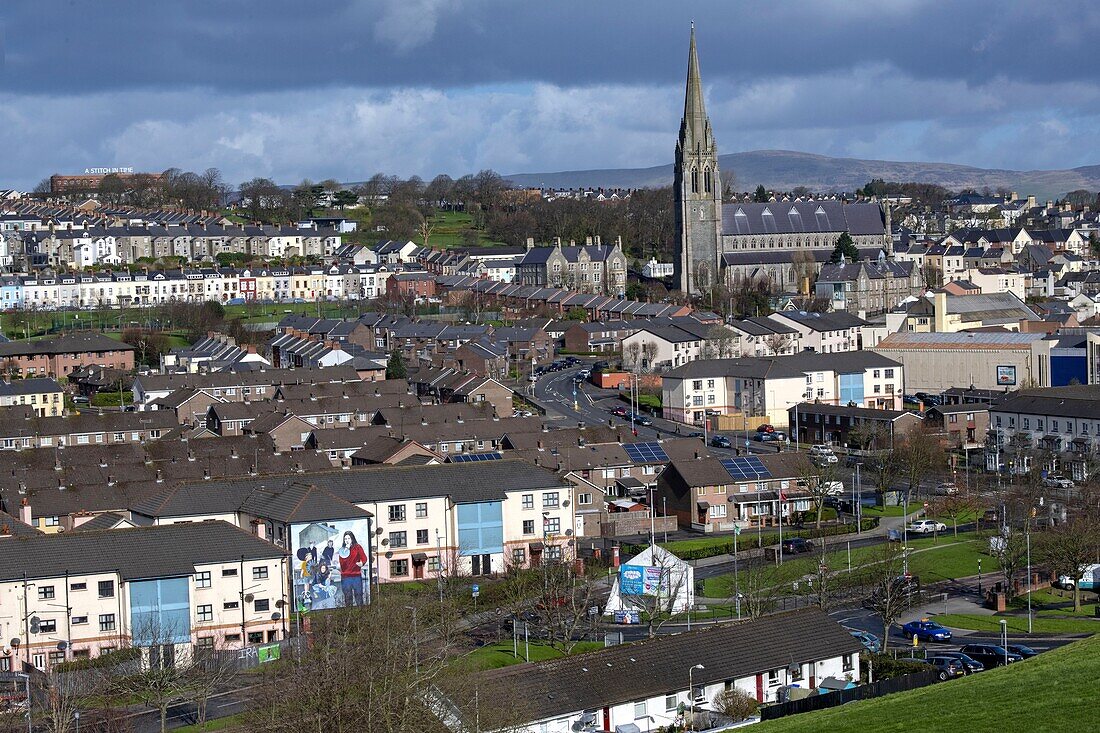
474, 457
746, 468
646, 452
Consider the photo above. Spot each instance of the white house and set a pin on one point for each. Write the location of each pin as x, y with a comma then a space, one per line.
652, 684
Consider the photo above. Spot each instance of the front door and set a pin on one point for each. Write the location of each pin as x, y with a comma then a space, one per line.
579, 526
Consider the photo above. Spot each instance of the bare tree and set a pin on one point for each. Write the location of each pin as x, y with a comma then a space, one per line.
888, 595
631, 354
565, 604
211, 670
1010, 550
649, 353
819, 482
162, 678
954, 506
760, 586
919, 454
1070, 548
659, 603
777, 343
722, 342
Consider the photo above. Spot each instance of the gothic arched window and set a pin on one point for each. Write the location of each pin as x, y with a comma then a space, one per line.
706, 180
694, 181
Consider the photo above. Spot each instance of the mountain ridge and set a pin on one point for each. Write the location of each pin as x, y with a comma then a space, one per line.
785, 169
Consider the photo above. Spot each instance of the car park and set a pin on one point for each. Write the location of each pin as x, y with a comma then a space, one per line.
970, 664
991, 655
796, 545
926, 526
947, 667
870, 642
926, 630
721, 441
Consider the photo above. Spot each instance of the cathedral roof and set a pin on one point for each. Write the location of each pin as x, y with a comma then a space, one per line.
810, 217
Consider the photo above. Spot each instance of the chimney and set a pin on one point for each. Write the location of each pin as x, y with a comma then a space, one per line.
1031, 203
160, 477
25, 514
530, 243
939, 311
588, 241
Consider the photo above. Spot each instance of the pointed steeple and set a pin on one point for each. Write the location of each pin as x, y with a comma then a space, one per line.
695, 124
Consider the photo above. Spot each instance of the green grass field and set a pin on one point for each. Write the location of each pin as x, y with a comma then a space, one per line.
229, 723
932, 559
1056, 691
1018, 624
450, 227
493, 656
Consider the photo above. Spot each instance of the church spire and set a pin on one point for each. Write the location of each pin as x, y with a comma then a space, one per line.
695, 123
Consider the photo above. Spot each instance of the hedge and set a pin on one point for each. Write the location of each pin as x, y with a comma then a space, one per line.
110, 659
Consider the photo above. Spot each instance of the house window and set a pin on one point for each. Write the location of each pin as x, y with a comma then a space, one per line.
262, 605
47, 626
421, 536
421, 509
204, 613
773, 678
399, 539
106, 589
52, 521
46, 593
671, 702
528, 526
550, 500
528, 501
106, 622
230, 605
584, 498
229, 572
553, 552
519, 555
397, 512
639, 710
433, 564
79, 620
848, 665
399, 568
202, 579
551, 525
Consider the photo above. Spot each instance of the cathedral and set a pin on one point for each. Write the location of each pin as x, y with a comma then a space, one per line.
734, 241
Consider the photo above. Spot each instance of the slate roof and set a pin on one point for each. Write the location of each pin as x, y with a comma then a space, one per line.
288, 499
138, 553
1077, 401
70, 343
832, 321
28, 386
654, 667
1005, 341
784, 217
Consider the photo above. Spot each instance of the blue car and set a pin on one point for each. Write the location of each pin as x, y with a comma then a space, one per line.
926, 630
869, 640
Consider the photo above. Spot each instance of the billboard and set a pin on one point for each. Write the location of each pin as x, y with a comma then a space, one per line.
1006, 376
642, 580
331, 563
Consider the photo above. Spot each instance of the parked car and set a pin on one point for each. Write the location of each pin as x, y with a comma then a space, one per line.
822, 455
970, 664
870, 642
1089, 580
620, 411
1024, 651
945, 488
910, 400
695, 434
1054, 481
991, 515
601, 366
765, 428
926, 526
642, 419
81, 400
766, 437
926, 630
721, 441
991, 655
796, 545
948, 667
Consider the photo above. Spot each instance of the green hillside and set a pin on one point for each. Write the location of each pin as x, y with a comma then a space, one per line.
1055, 691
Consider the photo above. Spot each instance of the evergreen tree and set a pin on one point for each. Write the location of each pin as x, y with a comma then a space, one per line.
395, 367
845, 247
761, 195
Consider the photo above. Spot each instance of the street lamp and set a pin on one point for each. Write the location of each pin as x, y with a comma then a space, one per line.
691, 691
1004, 639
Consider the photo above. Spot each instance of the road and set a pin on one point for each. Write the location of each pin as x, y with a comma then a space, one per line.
220, 705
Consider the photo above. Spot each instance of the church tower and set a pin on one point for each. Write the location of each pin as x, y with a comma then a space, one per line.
697, 189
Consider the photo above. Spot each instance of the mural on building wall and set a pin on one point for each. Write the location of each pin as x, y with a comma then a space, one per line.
332, 567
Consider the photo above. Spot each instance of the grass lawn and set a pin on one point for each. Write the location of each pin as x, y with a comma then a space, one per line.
1053, 692
449, 228
649, 401
493, 656
1018, 624
881, 511
230, 722
932, 559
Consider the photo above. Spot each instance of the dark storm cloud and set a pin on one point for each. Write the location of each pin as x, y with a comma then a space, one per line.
345, 88
77, 46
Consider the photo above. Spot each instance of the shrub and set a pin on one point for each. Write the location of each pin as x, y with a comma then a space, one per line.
736, 704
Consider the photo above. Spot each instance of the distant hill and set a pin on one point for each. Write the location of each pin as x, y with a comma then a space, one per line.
784, 169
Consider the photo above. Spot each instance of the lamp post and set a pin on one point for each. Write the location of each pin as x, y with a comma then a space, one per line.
691, 691
1004, 639
979, 579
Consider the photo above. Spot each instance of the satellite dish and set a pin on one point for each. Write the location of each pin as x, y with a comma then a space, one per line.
565, 503
276, 616
385, 541
15, 643
568, 533
389, 554
378, 531
62, 645
280, 603
249, 598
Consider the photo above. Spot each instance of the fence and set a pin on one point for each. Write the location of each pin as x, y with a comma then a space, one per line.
840, 697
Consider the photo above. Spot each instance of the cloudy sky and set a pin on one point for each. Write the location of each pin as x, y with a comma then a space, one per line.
344, 88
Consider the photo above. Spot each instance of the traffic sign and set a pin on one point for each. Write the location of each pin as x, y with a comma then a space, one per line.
736, 530
476, 590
